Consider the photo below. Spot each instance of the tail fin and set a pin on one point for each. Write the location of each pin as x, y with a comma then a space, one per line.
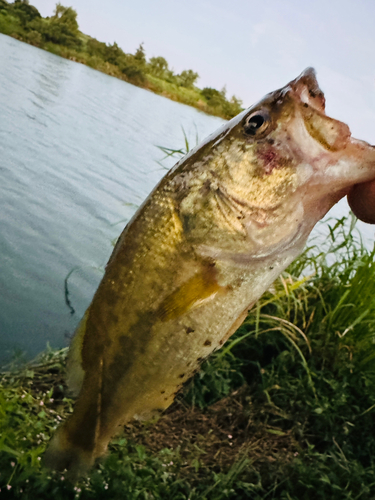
63, 455
76, 443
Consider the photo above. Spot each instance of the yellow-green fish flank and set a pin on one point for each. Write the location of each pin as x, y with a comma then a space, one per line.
209, 240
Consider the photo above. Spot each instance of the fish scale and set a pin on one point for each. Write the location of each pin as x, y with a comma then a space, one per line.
209, 240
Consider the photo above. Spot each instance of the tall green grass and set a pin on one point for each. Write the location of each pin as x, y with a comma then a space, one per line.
299, 375
303, 362
323, 306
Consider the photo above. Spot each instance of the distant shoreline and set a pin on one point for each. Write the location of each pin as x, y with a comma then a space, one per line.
60, 35
154, 85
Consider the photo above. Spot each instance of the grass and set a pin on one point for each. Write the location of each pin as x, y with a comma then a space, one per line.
284, 410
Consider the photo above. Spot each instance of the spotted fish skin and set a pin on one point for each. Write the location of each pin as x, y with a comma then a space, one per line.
209, 240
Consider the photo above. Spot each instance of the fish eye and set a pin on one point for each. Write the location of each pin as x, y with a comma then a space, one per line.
257, 122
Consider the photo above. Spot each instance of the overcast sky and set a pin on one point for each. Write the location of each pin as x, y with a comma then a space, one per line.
251, 46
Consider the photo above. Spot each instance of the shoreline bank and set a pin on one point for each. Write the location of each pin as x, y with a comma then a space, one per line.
60, 35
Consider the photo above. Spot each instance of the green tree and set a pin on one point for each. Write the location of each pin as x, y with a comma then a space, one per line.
67, 17
140, 56
187, 78
214, 97
134, 73
23, 10
234, 106
61, 28
114, 54
158, 67
96, 48
217, 100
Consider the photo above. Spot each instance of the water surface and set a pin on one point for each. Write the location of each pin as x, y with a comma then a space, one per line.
77, 156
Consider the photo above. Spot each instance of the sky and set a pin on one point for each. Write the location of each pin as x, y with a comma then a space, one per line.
250, 46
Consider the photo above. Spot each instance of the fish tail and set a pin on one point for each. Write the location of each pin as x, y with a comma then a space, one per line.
77, 442
62, 455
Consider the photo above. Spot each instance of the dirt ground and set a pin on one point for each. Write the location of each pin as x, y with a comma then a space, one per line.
217, 437
213, 439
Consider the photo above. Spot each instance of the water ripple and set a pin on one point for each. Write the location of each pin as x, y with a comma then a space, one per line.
77, 156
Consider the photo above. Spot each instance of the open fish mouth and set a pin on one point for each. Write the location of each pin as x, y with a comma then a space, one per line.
306, 87
332, 134
361, 197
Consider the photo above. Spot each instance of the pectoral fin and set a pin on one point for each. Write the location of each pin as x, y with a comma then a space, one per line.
201, 287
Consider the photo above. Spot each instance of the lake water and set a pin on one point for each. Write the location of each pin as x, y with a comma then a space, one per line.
77, 156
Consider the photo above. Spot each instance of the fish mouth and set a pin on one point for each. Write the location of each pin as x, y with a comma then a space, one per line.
307, 89
333, 135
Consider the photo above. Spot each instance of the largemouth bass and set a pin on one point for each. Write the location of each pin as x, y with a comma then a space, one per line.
210, 239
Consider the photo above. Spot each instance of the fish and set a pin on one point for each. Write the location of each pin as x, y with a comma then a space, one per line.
209, 240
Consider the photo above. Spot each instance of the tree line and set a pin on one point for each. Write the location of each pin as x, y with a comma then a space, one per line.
60, 34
